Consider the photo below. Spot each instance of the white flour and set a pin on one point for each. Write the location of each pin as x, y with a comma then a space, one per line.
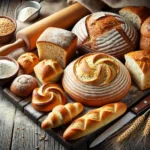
26, 13
7, 68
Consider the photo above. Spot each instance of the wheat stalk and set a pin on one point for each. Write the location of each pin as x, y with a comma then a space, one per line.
146, 130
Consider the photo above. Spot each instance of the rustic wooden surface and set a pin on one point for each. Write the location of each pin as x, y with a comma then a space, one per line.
17, 131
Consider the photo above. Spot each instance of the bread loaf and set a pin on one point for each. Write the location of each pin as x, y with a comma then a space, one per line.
27, 61
145, 35
94, 120
46, 97
138, 64
96, 79
105, 32
48, 70
57, 44
62, 114
23, 85
135, 14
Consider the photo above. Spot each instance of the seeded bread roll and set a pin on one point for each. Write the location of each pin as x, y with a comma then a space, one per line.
96, 79
48, 70
27, 61
23, 85
105, 32
57, 44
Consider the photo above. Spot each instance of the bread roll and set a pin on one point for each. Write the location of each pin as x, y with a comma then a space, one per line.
145, 35
105, 32
96, 79
48, 70
46, 97
138, 64
23, 85
57, 44
62, 114
27, 61
135, 14
94, 120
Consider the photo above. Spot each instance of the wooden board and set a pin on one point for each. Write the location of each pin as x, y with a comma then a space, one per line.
133, 97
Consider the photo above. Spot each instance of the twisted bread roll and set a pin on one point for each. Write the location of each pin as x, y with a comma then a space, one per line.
96, 79
94, 120
105, 32
47, 97
62, 114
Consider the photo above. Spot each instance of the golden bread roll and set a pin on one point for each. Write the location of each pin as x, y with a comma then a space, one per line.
27, 61
93, 120
23, 85
48, 70
96, 79
105, 32
62, 114
46, 97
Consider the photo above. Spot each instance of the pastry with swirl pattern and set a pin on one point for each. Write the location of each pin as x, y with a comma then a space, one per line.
46, 97
96, 79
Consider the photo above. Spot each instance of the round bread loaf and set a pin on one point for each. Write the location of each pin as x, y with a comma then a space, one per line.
96, 79
47, 97
105, 32
23, 85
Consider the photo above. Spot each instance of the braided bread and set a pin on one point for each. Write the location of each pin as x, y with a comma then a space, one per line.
94, 120
62, 114
47, 97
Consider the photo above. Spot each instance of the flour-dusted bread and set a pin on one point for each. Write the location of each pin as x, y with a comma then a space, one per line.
96, 79
57, 44
105, 32
138, 64
145, 35
48, 70
135, 14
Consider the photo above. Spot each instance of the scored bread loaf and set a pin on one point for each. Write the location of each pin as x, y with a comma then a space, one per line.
62, 114
105, 32
94, 120
46, 97
48, 70
135, 14
57, 44
138, 64
96, 79
145, 35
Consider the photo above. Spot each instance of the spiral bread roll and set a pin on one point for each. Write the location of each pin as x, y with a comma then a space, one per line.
105, 32
46, 97
62, 114
96, 79
94, 120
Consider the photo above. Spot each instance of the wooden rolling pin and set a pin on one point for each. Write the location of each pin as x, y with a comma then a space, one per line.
27, 37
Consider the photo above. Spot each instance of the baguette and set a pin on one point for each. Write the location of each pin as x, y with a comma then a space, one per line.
62, 114
94, 120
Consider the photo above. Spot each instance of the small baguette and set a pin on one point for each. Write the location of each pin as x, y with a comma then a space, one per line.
62, 114
94, 120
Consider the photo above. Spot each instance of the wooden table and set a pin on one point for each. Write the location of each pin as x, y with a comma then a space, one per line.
17, 131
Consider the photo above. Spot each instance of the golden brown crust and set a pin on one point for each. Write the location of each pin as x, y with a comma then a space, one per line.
46, 97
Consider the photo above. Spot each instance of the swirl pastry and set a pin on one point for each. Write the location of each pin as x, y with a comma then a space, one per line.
96, 79
105, 32
46, 97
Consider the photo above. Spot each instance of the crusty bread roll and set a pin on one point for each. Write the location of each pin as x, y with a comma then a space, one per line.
138, 64
27, 61
48, 70
23, 85
46, 97
57, 44
135, 14
145, 35
105, 32
62, 114
94, 120
96, 79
